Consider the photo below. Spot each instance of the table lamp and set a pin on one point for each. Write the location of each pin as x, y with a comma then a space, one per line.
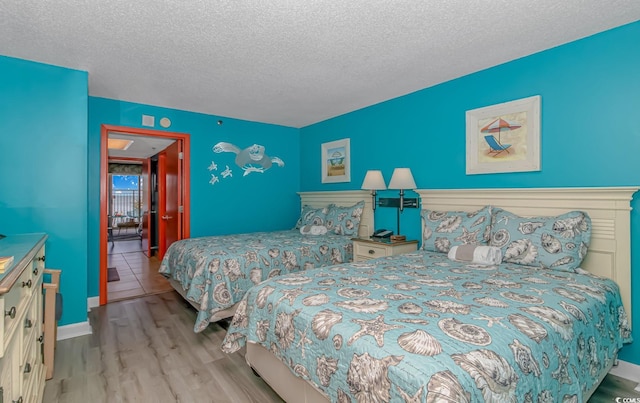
402, 179
373, 181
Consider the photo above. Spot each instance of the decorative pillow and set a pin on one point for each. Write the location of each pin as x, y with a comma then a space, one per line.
344, 220
444, 229
312, 216
313, 230
476, 254
558, 243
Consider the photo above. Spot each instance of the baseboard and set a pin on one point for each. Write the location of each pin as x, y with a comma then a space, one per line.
93, 302
626, 370
74, 330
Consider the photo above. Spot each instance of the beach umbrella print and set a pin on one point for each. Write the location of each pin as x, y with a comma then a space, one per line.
500, 125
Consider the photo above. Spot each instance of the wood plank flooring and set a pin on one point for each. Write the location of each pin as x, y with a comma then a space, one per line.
145, 350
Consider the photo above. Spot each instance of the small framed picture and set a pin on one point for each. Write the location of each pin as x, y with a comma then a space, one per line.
504, 137
336, 161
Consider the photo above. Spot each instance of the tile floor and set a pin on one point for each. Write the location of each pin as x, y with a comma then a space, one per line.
138, 274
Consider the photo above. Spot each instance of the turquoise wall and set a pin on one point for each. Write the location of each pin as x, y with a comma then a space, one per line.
228, 206
43, 169
590, 133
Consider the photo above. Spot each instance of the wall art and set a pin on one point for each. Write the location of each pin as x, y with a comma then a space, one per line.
251, 159
336, 161
504, 137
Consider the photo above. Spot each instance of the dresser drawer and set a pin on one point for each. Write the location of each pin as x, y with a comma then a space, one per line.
369, 251
32, 372
30, 325
30, 367
8, 367
14, 305
31, 392
37, 264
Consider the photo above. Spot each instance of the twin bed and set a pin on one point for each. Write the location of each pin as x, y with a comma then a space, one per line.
545, 325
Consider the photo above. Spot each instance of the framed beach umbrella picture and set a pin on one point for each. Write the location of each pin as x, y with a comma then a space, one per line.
504, 137
336, 161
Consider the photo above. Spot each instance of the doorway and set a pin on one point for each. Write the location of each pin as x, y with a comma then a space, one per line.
173, 216
131, 270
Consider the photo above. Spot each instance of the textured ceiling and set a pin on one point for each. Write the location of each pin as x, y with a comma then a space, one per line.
289, 62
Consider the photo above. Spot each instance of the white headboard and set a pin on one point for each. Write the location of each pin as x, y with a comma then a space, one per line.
343, 198
609, 254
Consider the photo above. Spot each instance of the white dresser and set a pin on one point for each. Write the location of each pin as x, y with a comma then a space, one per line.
22, 372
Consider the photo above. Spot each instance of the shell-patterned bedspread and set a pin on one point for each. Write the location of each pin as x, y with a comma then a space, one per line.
216, 271
419, 327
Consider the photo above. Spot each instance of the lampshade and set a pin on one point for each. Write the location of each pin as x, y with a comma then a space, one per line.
402, 179
373, 180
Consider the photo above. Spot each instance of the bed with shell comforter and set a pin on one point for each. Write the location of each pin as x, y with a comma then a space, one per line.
425, 327
213, 273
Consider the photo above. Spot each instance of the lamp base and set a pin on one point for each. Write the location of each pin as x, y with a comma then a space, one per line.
396, 238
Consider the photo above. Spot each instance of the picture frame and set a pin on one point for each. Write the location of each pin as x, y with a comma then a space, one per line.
504, 137
336, 161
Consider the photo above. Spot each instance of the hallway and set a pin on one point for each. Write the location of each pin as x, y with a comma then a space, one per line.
138, 274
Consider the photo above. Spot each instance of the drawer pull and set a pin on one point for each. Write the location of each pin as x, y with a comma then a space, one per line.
27, 368
35, 271
372, 252
18, 401
11, 312
41, 338
41, 259
28, 323
27, 283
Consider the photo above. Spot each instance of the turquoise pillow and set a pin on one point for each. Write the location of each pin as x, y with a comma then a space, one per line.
312, 216
443, 229
558, 243
344, 220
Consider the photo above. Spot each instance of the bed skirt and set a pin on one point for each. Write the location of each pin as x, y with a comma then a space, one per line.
223, 314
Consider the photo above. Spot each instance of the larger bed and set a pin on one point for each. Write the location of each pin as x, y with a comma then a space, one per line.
422, 327
213, 273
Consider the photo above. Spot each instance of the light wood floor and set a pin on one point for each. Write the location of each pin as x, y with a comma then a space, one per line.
145, 350
138, 273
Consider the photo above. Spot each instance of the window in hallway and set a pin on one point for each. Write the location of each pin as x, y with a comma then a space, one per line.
125, 206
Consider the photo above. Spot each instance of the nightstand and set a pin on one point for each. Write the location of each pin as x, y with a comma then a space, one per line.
365, 248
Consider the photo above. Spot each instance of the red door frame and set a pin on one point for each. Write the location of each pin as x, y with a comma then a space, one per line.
104, 166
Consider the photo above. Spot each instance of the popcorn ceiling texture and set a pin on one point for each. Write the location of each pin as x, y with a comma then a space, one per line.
289, 62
